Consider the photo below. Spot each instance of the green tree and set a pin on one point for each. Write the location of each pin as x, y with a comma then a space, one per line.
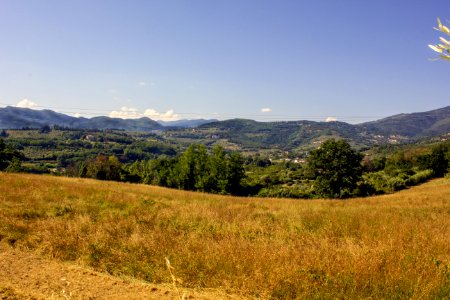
3, 133
336, 168
104, 168
186, 168
45, 129
436, 161
82, 169
8, 155
218, 170
161, 171
235, 173
15, 165
202, 169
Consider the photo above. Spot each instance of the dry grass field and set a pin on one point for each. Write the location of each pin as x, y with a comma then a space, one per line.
395, 246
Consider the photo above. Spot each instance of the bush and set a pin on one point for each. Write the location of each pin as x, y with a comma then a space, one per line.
420, 177
395, 184
380, 182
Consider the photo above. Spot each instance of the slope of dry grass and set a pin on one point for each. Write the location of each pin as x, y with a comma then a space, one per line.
394, 246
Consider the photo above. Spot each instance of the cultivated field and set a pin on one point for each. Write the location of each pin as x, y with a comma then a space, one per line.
394, 246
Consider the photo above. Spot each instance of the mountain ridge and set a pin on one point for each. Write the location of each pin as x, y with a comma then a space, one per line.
251, 133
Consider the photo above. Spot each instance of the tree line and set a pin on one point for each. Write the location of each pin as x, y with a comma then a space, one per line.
195, 170
334, 170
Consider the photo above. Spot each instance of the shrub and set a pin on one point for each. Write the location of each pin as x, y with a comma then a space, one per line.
420, 177
395, 184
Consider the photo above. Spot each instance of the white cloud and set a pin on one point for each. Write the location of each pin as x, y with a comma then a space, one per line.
25, 103
151, 113
169, 115
266, 110
125, 113
145, 83
330, 119
133, 113
77, 115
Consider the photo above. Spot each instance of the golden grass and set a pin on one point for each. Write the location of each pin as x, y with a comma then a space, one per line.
393, 246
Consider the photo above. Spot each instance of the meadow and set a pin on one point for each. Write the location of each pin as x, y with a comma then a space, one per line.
391, 246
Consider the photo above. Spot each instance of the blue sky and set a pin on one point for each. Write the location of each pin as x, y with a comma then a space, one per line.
353, 60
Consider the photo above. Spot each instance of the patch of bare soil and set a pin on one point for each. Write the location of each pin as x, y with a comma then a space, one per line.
25, 275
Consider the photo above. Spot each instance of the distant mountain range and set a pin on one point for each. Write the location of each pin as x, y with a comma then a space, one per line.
249, 133
294, 134
16, 118
186, 123
430, 123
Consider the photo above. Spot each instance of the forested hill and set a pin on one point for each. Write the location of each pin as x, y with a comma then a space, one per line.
430, 123
16, 118
292, 134
284, 135
249, 133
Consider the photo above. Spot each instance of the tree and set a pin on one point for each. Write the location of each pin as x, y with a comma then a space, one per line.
235, 173
9, 155
3, 133
218, 170
187, 168
104, 168
45, 129
444, 48
436, 161
336, 168
15, 165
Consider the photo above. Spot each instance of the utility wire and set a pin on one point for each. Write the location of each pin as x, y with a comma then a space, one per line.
272, 117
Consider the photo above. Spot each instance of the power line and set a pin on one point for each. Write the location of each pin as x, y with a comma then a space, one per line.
272, 117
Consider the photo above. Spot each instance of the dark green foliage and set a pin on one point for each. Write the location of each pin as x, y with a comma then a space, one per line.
257, 161
234, 173
376, 164
82, 171
103, 168
409, 166
218, 172
3, 133
45, 129
194, 170
336, 168
143, 150
10, 158
398, 162
151, 158
437, 161
283, 135
15, 165
191, 168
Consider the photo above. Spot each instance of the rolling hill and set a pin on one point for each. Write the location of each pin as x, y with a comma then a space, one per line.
422, 124
16, 118
293, 134
245, 133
